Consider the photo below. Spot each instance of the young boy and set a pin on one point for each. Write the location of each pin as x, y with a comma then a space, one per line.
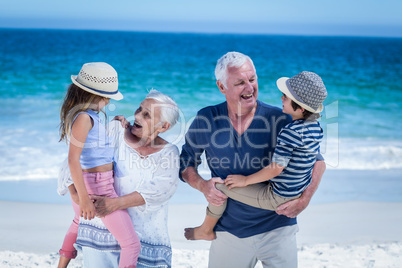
292, 163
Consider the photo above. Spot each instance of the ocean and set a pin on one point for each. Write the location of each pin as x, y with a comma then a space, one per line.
361, 118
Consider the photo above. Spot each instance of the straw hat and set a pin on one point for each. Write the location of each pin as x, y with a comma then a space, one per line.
306, 89
98, 78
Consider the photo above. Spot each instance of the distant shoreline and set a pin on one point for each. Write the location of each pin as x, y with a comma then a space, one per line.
336, 186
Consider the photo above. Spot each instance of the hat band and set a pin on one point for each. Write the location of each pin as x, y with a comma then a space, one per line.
294, 93
99, 91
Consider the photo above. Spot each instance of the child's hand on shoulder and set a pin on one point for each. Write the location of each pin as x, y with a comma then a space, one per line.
233, 181
123, 121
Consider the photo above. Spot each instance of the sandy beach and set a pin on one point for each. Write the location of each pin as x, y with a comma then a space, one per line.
350, 234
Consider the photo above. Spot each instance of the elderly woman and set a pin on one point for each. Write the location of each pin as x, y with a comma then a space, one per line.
146, 177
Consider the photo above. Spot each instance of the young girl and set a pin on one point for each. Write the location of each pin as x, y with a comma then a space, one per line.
90, 158
292, 163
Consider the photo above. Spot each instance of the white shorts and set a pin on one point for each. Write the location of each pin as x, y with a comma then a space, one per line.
276, 248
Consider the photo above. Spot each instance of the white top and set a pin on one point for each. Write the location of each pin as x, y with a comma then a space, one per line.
155, 177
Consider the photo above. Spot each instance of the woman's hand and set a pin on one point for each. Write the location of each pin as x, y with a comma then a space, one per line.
123, 121
233, 181
104, 205
87, 209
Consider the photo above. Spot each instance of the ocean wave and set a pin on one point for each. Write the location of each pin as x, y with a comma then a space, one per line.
32, 162
347, 154
35, 162
362, 154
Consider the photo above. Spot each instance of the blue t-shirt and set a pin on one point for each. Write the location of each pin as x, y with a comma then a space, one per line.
229, 153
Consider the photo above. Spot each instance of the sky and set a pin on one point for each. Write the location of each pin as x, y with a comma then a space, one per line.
295, 17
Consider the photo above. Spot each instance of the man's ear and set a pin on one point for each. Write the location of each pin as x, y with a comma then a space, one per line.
221, 87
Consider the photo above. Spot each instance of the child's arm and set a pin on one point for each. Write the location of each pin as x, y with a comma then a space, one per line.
123, 121
264, 174
79, 132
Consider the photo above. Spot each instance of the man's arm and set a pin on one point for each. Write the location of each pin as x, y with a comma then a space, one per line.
197, 138
293, 208
207, 187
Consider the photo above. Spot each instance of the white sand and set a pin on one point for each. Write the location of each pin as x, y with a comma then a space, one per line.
353, 234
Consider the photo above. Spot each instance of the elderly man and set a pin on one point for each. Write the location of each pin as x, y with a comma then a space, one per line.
239, 137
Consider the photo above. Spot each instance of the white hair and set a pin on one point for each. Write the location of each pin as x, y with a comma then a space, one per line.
230, 59
169, 109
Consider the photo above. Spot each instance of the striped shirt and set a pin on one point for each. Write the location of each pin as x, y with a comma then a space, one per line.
297, 147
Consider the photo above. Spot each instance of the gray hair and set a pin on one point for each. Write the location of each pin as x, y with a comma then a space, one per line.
169, 109
230, 59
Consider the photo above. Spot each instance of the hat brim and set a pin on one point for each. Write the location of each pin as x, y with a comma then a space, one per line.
116, 96
283, 87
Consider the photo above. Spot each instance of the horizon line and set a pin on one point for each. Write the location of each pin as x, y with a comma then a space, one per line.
158, 31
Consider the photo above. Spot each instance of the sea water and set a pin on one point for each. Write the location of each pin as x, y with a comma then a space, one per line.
361, 118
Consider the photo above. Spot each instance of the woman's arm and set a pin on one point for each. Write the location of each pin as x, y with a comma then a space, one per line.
155, 190
79, 132
105, 205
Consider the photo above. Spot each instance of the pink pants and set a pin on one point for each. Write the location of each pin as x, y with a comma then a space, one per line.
118, 223
67, 249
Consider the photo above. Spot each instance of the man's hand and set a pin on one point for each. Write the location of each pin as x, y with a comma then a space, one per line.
207, 187
292, 208
123, 121
213, 195
103, 205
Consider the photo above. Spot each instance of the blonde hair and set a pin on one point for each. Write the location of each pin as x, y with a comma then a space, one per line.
75, 101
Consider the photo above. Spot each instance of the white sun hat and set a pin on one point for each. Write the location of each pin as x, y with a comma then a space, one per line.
98, 78
306, 89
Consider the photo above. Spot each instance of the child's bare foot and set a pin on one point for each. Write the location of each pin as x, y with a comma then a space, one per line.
199, 233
